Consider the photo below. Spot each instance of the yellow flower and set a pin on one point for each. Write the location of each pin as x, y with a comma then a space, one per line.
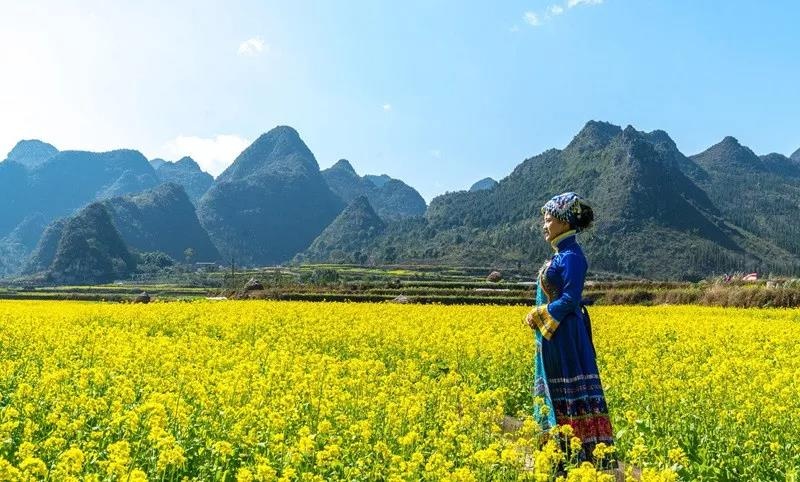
71, 461
8, 471
118, 458
137, 476
358, 391
224, 449
486, 456
462, 474
677, 456
25, 450
305, 445
244, 475
33, 466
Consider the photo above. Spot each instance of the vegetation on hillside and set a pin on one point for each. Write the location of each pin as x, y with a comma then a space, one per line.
390, 198
270, 203
90, 250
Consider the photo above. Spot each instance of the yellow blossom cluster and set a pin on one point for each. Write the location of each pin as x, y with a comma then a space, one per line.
297, 391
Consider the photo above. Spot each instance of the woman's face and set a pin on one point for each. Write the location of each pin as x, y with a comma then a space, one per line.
552, 227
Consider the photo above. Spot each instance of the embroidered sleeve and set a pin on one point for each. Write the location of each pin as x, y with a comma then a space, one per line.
539, 318
546, 318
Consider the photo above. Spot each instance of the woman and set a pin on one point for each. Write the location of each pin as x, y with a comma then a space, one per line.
567, 379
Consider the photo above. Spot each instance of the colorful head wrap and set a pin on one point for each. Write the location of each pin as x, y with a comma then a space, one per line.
566, 207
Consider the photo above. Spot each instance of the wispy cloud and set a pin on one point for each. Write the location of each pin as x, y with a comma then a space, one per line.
387, 107
537, 19
213, 154
532, 19
253, 46
575, 3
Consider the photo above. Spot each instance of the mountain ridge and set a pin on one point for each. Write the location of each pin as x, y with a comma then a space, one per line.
187, 173
270, 203
90, 250
349, 232
660, 213
649, 209
390, 198
32, 152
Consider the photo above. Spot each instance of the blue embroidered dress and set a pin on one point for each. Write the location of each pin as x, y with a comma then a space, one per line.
566, 374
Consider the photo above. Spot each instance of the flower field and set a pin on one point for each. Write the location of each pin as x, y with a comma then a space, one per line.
259, 390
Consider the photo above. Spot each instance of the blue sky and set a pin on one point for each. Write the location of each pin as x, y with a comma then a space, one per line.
437, 93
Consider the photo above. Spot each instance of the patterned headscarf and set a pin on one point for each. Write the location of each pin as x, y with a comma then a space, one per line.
566, 207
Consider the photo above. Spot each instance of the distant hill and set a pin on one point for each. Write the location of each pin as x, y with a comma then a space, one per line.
27, 232
391, 198
158, 220
45, 251
101, 175
759, 194
637, 190
186, 173
270, 203
345, 182
90, 250
38, 181
67, 181
486, 183
377, 180
347, 236
653, 220
31, 153
17, 245
161, 219
396, 199
781, 165
15, 195
659, 214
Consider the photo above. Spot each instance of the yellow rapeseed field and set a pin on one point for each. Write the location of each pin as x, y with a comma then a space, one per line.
261, 391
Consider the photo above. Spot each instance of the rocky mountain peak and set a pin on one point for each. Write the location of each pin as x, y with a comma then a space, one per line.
729, 154
661, 137
486, 183
344, 166
279, 151
188, 163
31, 153
594, 135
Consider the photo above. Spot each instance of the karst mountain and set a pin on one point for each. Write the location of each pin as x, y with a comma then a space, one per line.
79, 216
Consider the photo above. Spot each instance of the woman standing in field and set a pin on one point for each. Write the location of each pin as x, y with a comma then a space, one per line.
567, 381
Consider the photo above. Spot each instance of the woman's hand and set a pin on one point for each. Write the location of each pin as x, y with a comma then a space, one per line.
529, 319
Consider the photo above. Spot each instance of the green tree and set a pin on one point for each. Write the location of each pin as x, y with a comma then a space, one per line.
188, 255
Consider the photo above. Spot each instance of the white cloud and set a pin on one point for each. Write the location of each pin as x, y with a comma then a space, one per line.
253, 46
213, 154
554, 10
532, 19
575, 3
387, 107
